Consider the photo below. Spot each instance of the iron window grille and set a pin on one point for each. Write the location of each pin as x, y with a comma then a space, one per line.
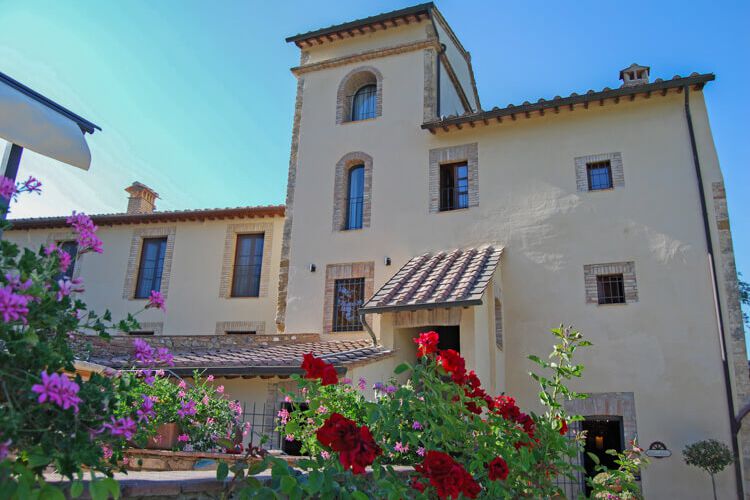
355, 199
611, 289
599, 175
248, 261
151, 267
363, 103
348, 297
454, 186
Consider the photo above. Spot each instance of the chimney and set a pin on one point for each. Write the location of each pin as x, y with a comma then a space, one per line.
635, 74
142, 199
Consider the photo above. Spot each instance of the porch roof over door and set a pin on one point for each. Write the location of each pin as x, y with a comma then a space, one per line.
454, 278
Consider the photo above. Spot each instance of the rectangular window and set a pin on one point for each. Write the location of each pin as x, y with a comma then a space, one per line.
151, 267
599, 175
71, 248
141, 333
240, 332
248, 259
348, 297
454, 186
610, 288
356, 197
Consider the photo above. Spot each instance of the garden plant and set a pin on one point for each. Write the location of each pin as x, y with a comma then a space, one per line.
710, 455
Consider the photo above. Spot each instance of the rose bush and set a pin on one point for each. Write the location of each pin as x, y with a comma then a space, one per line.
50, 418
460, 440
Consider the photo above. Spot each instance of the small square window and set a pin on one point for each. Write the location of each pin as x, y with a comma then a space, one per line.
348, 297
599, 175
610, 289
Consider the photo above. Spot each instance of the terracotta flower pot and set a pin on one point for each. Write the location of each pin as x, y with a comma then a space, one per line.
165, 438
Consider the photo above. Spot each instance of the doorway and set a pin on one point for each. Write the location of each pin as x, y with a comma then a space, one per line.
450, 337
602, 433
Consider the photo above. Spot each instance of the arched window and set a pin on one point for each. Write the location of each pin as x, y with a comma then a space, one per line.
355, 198
363, 103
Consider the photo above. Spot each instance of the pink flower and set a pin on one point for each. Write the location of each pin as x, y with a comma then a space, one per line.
5, 449
58, 389
183, 438
32, 185
164, 357
7, 188
64, 260
210, 378
421, 451
205, 400
322, 409
156, 301
187, 408
124, 427
146, 411
325, 455
13, 307
144, 353
148, 376
182, 384
283, 415
416, 426
14, 281
287, 399
106, 452
66, 287
181, 394
210, 421
401, 448
289, 437
362, 383
87, 239
220, 389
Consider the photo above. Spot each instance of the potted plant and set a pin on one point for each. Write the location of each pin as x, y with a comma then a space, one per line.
710, 455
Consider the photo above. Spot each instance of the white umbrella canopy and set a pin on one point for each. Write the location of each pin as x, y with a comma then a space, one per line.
34, 122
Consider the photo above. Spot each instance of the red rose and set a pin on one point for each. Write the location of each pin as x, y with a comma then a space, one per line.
355, 445
447, 476
417, 485
498, 469
528, 424
454, 364
563, 427
427, 343
506, 407
317, 368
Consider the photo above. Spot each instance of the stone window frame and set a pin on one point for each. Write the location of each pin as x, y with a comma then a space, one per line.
230, 247
222, 327
616, 167
341, 189
627, 269
358, 77
499, 323
63, 236
608, 404
134, 259
150, 326
453, 154
346, 270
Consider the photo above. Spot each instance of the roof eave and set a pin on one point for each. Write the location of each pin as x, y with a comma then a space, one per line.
423, 8
246, 371
697, 81
415, 307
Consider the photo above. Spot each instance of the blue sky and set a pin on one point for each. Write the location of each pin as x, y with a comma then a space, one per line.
195, 98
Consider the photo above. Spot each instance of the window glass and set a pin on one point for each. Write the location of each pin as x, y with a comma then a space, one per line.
454, 186
248, 260
363, 103
151, 266
348, 298
611, 289
356, 197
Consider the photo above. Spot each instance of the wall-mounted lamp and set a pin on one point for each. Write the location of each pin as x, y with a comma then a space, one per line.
312, 268
599, 442
387, 261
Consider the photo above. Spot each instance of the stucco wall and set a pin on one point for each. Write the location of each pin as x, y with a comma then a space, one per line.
194, 305
662, 348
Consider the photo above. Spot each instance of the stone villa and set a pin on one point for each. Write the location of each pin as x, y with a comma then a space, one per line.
410, 207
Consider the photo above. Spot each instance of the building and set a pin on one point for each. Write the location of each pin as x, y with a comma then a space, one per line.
411, 207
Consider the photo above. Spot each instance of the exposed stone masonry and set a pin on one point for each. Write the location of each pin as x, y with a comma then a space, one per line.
453, 154
351, 83
335, 272
230, 246
627, 269
134, 258
615, 161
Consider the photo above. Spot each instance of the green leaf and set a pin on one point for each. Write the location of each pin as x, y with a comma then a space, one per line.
49, 492
76, 489
288, 484
593, 457
98, 491
222, 471
314, 482
402, 368
358, 495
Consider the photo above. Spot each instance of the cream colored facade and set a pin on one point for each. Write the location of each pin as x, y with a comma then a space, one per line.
662, 349
656, 360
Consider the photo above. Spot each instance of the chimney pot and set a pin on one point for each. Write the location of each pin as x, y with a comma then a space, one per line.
635, 74
142, 199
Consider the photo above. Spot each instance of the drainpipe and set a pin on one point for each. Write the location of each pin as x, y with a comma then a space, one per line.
363, 320
733, 423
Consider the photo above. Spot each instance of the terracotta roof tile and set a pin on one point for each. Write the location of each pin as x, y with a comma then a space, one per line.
443, 279
276, 359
